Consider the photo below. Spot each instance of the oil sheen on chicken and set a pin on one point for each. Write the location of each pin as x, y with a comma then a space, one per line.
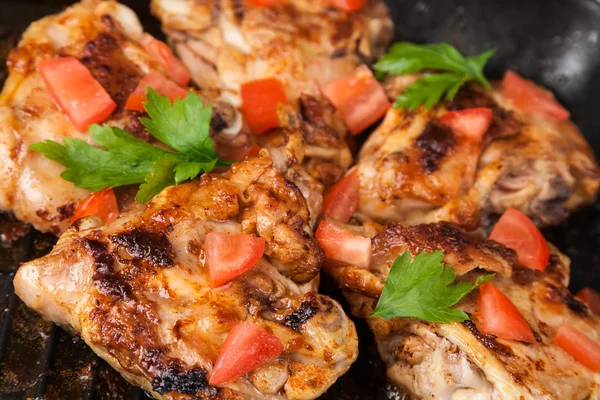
413, 169
137, 291
456, 361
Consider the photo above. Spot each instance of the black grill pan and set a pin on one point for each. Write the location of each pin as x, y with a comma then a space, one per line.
556, 43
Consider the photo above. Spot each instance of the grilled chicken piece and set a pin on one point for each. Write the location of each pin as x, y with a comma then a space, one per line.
457, 361
104, 36
413, 169
138, 292
304, 44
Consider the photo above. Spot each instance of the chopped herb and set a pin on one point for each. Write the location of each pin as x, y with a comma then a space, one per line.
455, 70
184, 126
420, 288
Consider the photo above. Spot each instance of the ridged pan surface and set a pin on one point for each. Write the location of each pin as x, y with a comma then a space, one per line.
556, 43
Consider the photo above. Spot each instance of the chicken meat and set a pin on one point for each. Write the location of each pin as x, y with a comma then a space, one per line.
104, 36
137, 289
303, 44
457, 361
414, 169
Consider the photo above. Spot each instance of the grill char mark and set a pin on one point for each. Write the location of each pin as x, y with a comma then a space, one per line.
106, 280
435, 142
307, 309
190, 382
154, 248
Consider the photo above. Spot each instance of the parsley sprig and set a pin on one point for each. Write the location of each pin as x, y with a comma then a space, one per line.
184, 126
454, 71
420, 288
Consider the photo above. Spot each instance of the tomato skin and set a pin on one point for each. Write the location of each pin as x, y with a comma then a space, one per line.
516, 231
359, 98
228, 256
590, 297
579, 345
247, 347
341, 200
342, 247
528, 97
75, 91
471, 123
259, 103
101, 204
160, 52
265, 3
158, 82
348, 5
500, 317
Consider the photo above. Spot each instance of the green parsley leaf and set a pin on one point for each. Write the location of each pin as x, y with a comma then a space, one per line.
420, 288
162, 175
124, 160
405, 58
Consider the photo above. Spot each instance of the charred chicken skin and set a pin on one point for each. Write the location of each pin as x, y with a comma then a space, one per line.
457, 360
139, 290
416, 169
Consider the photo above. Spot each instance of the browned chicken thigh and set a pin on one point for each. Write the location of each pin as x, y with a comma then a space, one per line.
456, 360
140, 290
414, 169
303, 45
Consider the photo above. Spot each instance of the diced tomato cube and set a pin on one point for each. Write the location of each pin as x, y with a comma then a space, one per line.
359, 98
158, 82
528, 97
259, 103
472, 123
266, 3
247, 347
228, 256
579, 345
341, 199
101, 204
516, 231
75, 91
348, 5
161, 53
342, 247
500, 317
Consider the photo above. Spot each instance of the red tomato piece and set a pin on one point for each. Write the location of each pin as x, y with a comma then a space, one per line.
579, 345
348, 5
342, 247
528, 97
359, 98
247, 347
259, 103
266, 3
161, 53
228, 256
75, 91
500, 317
590, 297
101, 204
158, 82
472, 123
341, 199
516, 231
